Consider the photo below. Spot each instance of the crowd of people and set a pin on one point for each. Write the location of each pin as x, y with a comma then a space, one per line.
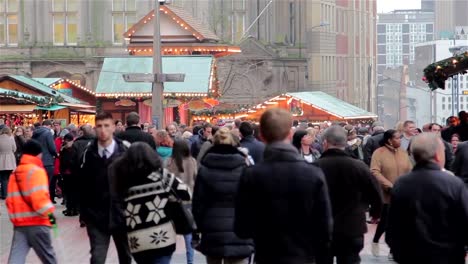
266, 192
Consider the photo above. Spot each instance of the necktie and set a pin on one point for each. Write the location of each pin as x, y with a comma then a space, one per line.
104, 156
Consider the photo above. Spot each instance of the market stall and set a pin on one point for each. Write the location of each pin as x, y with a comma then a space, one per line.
120, 98
48, 102
313, 107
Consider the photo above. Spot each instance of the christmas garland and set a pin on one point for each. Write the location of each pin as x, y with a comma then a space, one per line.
214, 111
44, 101
437, 73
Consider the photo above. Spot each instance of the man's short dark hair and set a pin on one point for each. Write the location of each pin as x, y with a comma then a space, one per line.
46, 123
118, 121
336, 136
133, 119
275, 125
57, 122
246, 129
434, 124
407, 123
103, 116
207, 125
295, 123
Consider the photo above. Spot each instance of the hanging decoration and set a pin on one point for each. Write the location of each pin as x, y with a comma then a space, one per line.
437, 73
44, 101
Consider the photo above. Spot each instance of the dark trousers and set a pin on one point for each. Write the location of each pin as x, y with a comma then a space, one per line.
35, 237
382, 224
70, 189
100, 241
4, 177
52, 181
346, 250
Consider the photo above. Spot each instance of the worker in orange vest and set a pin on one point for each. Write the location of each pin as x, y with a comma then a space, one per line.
30, 208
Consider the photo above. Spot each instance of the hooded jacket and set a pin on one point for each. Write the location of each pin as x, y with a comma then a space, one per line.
28, 200
283, 204
214, 203
45, 137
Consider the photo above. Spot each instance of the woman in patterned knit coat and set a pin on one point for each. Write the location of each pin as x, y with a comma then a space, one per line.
143, 188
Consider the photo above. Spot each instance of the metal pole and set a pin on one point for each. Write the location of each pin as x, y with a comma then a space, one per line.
158, 87
256, 19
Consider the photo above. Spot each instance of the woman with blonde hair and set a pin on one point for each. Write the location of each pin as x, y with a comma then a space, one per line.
7, 159
214, 200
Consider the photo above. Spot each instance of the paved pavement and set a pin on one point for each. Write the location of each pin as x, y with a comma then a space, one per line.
72, 246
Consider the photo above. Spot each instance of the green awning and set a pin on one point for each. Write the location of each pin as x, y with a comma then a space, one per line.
197, 70
50, 108
332, 105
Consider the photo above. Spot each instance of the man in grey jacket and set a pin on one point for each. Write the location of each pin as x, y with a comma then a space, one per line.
44, 135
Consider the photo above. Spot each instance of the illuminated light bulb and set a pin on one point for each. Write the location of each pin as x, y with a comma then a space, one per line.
454, 61
186, 28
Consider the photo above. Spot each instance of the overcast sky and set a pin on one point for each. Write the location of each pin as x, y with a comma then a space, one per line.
385, 6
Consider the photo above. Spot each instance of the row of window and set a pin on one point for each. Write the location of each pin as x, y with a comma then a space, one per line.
449, 99
65, 21
405, 28
449, 106
460, 84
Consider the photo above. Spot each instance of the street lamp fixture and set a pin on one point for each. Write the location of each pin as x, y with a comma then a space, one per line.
322, 24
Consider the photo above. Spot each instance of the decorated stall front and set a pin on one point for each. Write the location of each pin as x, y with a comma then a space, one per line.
120, 98
312, 107
19, 94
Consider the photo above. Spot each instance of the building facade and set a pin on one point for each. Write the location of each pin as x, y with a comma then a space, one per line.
335, 38
397, 34
448, 15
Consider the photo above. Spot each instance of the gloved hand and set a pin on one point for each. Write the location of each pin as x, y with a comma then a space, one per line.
52, 219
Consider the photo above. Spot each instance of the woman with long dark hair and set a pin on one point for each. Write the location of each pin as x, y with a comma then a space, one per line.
143, 189
388, 163
184, 166
303, 141
20, 140
214, 201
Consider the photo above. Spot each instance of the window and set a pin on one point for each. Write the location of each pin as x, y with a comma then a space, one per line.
123, 17
450, 99
65, 21
443, 106
449, 107
461, 85
9, 22
443, 99
461, 99
461, 106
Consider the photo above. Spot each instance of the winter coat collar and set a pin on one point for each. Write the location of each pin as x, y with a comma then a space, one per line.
334, 153
250, 138
29, 159
224, 157
133, 128
280, 151
429, 165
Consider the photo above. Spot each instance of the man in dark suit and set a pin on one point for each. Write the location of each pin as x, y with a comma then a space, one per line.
134, 133
373, 142
282, 202
428, 215
103, 218
352, 189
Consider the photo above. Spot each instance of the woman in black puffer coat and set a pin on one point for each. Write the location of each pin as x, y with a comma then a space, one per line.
214, 201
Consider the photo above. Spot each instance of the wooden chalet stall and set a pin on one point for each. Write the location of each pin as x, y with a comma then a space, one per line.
181, 34
313, 107
120, 98
78, 114
17, 91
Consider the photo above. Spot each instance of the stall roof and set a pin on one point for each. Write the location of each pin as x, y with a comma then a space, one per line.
47, 81
332, 105
197, 70
43, 88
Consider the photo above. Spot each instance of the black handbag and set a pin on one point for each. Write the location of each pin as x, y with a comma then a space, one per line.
181, 215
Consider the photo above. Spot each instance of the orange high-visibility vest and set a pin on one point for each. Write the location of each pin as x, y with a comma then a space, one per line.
28, 200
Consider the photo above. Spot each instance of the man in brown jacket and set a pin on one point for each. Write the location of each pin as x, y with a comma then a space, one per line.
388, 163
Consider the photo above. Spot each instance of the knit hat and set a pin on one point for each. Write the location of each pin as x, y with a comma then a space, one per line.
32, 147
68, 137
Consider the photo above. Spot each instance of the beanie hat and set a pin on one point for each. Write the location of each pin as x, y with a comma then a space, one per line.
32, 147
68, 137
